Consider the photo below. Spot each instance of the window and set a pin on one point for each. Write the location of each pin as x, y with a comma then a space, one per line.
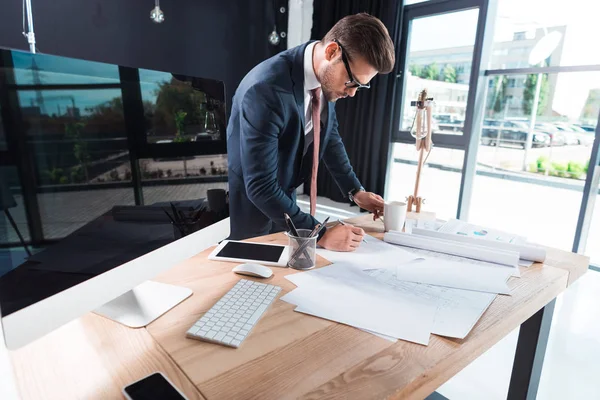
447, 78
556, 165
440, 179
76, 139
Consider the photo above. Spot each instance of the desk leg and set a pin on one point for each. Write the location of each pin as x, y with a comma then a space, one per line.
529, 357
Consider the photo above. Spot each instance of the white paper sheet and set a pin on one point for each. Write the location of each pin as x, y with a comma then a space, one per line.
374, 253
344, 294
525, 263
410, 322
457, 310
296, 297
458, 275
508, 258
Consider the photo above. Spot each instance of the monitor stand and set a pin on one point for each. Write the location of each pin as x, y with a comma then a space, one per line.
144, 303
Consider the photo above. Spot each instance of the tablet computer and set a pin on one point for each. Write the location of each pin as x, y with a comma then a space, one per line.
266, 254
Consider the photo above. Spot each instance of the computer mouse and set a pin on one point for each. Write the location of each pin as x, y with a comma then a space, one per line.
256, 270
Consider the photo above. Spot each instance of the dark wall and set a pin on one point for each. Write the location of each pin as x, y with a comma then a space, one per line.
218, 39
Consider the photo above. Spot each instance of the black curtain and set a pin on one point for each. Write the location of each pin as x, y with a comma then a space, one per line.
365, 120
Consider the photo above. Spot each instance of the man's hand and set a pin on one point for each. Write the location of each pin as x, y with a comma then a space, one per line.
342, 238
371, 202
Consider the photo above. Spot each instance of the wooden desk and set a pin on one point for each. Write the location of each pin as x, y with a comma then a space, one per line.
288, 354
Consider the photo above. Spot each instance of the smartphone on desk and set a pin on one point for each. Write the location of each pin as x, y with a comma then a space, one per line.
152, 387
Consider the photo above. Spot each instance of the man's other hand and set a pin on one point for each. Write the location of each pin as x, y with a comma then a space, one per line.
371, 202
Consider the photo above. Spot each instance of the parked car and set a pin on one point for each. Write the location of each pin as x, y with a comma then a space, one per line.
575, 135
496, 132
585, 138
557, 137
587, 128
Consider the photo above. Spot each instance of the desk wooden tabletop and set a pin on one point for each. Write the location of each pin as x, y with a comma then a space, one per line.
92, 358
287, 355
291, 355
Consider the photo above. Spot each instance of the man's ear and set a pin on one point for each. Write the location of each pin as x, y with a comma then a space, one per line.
332, 50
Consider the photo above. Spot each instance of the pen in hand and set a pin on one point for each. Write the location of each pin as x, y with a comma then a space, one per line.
342, 223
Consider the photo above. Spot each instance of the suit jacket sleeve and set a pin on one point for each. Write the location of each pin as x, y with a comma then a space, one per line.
337, 162
262, 122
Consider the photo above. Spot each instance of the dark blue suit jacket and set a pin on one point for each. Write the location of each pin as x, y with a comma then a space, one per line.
265, 144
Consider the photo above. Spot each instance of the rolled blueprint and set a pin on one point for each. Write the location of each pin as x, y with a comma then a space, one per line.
526, 251
504, 257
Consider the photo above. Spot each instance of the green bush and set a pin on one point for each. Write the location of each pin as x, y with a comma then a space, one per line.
77, 174
559, 169
533, 167
542, 163
53, 175
572, 169
575, 169
64, 180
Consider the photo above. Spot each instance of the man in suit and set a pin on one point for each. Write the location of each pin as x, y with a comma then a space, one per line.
283, 123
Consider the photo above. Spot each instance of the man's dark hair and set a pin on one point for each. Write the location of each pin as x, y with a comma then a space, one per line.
363, 35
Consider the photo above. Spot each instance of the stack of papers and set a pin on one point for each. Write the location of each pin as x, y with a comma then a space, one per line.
398, 294
457, 310
422, 266
345, 294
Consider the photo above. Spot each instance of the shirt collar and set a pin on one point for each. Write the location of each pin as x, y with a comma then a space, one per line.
310, 79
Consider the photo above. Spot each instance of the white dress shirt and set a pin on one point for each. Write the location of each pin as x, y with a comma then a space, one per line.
310, 82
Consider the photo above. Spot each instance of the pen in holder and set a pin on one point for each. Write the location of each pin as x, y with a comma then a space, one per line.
303, 250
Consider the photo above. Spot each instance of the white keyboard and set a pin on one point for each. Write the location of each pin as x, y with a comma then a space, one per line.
230, 321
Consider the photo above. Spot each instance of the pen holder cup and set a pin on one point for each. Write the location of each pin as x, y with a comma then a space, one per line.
303, 250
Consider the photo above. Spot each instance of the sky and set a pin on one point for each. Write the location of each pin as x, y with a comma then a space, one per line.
581, 47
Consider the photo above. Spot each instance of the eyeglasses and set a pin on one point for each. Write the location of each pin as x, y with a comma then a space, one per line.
352, 83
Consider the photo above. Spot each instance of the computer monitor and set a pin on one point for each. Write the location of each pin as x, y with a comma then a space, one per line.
35, 301
110, 271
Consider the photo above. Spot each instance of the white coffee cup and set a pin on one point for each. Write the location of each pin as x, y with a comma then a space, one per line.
394, 215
